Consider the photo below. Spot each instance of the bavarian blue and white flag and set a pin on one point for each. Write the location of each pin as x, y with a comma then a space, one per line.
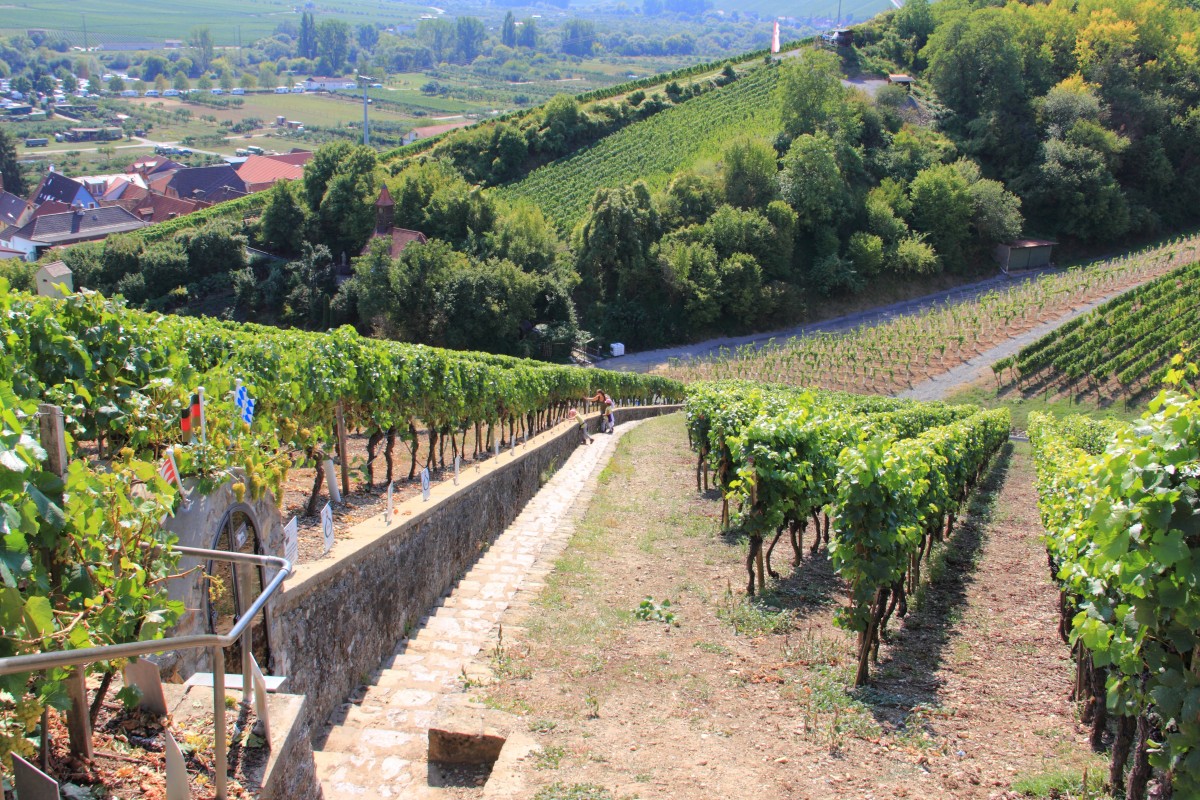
241, 399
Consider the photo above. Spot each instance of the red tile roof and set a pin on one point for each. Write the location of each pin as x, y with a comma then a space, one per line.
51, 207
262, 172
156, 207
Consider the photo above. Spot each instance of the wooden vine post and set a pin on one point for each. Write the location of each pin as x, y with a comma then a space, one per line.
343, 456
52, 434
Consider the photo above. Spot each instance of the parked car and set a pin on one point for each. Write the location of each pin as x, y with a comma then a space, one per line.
152, 93
238, 90
170, 93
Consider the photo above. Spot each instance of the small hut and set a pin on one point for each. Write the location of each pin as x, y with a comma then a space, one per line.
1024, 254
50, 276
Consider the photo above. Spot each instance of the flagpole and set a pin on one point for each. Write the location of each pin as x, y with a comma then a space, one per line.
237, 389
203, 437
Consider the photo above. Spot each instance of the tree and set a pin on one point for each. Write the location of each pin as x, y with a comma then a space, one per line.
180, 82
578, 37
439, 36
689, 199
914, 22
346, 215
975, 64
333, 43
811, 93
153, 66
116, 85
749, 173
526, 238
469, 34
306, 42
160, 83
811, 180
612, 245
201, 41
527, 34
367, 36
508, 31
10, 169
942, 207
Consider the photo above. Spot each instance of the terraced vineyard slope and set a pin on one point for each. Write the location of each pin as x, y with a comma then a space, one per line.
1121, 348
893, 356
652, 149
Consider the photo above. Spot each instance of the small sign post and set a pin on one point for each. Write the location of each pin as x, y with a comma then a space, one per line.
425, 483
327, 526
391, 502
457, 468
291, 541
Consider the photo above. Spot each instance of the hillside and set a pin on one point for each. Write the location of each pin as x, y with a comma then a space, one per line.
654, 149
1121, 349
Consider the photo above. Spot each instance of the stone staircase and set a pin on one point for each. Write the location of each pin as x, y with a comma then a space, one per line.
376, 745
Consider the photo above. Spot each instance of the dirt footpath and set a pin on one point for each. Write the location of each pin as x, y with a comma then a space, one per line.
711, 696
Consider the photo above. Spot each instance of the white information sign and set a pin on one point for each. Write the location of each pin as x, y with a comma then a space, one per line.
327, 526
425, 483
457, 468
391, 502
291, 541
239, 537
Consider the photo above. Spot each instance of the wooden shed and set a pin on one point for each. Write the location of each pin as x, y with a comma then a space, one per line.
1023, 254
49, 277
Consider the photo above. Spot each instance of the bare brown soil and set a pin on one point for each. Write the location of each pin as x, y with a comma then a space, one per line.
969, 696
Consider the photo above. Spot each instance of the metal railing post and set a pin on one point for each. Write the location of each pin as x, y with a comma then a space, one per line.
220, 748
247, 677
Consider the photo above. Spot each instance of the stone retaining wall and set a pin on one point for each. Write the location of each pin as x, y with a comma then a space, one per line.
338, 619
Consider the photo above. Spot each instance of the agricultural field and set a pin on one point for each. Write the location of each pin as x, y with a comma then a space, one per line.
1122, 349
896, 355
654, 149
114, 21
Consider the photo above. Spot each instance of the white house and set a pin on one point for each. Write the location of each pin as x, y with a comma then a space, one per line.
319, 83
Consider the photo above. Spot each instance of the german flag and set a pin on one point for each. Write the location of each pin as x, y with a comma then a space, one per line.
185, 424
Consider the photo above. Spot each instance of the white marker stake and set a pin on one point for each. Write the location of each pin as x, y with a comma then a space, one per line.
291, 541
457, 468
391, 502
425, 483
177, 782
327, 526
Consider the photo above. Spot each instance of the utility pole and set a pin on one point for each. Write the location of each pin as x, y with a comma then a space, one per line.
85, 44
839, 19
365, 81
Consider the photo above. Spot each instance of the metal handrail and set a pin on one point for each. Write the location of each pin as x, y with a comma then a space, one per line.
36, 662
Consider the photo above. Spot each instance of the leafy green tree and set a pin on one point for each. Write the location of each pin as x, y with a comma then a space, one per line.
508, 31
164, 266
578, 37
346, 216
10, 169
469, 35
527, 34
811, 94
1072, 191
439, 36
613, 246
811, 180
333, 43
213, 249
975, 63
180, 81
283, 221
689, 199
306, 41
865, 251
749, 173
367, 36
201, 41
914, 22
116, 85
312, 283
526, 238
942, 207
